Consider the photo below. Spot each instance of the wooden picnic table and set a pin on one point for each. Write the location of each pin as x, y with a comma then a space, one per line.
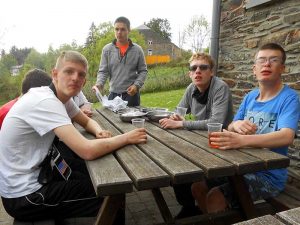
170, 157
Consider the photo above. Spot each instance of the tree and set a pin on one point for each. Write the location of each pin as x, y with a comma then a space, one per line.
91, 36
2, 53
197, 33
8, 90
19, 54
181, 39
97, 38
36, 59
160, 26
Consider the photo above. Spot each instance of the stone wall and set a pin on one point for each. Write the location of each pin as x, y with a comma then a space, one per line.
243, 30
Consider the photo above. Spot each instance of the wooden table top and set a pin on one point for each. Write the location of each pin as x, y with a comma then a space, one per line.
170, 156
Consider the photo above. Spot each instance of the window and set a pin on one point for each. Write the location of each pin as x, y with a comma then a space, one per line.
149, 51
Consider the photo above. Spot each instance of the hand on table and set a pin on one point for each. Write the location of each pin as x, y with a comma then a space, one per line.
87, 109
227, 140
176, 117
136, 136
87, 112
170, 123
103, 134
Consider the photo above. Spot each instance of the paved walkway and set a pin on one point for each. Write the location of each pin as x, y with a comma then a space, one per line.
141, 209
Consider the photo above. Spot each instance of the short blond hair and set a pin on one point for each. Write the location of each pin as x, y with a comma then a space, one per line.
71, 56
203, 56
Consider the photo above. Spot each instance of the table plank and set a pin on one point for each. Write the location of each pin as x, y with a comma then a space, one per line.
212, 165
144, 173
272, 160
244, 163
263, 220
290, 217
107, 175
178, 168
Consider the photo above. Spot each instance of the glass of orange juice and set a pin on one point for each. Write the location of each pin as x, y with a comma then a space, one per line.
213, 127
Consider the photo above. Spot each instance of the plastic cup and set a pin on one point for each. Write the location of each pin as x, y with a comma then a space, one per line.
213, 127
138, 122
181, 111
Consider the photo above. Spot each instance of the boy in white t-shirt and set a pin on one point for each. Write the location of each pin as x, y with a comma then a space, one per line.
28, 132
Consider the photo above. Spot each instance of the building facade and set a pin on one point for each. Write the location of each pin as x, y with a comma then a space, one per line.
159, 49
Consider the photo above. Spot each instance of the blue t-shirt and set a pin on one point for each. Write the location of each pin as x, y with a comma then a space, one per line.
282, 111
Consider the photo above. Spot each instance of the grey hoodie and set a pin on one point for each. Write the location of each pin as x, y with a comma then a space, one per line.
122, 71
217, 109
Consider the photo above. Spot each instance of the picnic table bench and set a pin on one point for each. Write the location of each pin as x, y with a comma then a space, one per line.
171, 157
288, 217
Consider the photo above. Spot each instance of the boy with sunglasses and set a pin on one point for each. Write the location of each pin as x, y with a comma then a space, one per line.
208, 98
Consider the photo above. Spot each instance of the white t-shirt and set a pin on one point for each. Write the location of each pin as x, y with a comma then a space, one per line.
80, 99
25, 137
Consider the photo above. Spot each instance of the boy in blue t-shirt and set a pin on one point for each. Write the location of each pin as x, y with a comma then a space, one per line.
269, 117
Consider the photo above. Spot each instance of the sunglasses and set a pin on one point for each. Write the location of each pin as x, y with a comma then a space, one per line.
202, 67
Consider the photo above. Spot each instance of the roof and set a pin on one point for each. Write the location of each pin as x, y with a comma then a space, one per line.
142, 27
150, 34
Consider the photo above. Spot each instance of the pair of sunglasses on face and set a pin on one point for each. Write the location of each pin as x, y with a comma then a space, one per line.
202, 67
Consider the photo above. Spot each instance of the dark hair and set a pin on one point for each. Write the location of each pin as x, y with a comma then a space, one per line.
274, 46
35, 78
124, 20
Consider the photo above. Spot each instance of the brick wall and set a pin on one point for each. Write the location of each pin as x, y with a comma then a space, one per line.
243, 30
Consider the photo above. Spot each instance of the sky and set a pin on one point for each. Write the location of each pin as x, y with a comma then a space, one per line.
41, 23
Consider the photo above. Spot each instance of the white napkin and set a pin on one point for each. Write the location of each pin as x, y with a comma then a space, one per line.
114, 105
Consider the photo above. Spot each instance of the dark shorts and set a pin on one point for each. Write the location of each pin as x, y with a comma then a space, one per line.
258, 187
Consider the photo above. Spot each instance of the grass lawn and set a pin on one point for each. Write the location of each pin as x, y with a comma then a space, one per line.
164, 99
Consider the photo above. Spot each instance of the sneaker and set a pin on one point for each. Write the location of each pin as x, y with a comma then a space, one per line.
188, 212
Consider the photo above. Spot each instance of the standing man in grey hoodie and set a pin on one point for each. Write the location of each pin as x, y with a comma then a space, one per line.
123, 62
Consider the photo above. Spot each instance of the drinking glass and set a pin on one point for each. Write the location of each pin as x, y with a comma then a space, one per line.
138, 122
181, 111
213, 127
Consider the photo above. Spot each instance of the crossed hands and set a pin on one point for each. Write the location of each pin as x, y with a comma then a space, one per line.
175, 121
